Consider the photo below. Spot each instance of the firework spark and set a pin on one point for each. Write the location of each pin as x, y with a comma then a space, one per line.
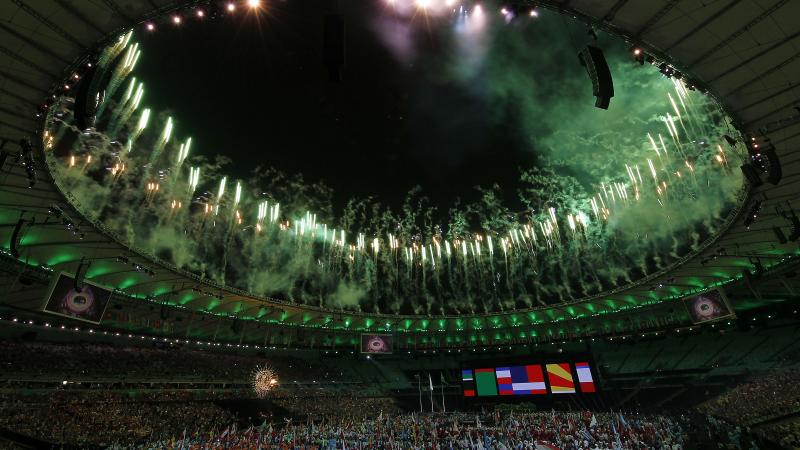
264, 381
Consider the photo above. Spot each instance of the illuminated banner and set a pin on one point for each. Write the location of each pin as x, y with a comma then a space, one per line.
87, 304
376, 343
708, 306
527, 380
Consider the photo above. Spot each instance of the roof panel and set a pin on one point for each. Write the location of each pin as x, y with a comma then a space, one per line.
705, 42
41, 22
631, 15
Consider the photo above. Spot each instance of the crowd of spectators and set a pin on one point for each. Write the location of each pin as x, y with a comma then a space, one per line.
98, 417
105, 418
759, 405
711, 432
528, 431
765, 396
181, 419
784, 433
86, 361
318, 404
136, 410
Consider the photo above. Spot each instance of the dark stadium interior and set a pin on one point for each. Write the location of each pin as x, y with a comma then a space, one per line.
400, 224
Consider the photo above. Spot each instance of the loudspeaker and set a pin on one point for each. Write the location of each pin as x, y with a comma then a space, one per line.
15, 238
333, 46
774, 173
164, 312
795, 234
79, 274
751, 174
594, 62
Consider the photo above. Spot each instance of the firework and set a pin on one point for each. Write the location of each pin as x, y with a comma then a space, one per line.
129, 92
143, 120
137, 97
264, 381
431, 261
167, 131
194, 178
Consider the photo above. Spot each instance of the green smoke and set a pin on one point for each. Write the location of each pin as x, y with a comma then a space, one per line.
528, 76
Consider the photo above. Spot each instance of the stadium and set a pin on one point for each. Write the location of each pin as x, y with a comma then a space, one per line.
328, 224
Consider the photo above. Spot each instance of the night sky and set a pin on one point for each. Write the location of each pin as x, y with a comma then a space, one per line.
254, 88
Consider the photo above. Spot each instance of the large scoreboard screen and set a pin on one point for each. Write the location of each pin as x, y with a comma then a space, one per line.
530, 379
87, 304
708, 306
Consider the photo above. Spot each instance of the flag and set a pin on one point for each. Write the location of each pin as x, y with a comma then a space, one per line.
617, 441
622, 422
504, 380
560, 379
527, 380
593, 423
485, 381
468, 383
585, 379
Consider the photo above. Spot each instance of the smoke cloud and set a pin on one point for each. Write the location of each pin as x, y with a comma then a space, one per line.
614, 196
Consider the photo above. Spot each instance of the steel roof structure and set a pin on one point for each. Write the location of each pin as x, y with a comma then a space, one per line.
745, 52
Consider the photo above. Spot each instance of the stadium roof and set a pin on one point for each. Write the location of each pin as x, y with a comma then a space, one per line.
746, 52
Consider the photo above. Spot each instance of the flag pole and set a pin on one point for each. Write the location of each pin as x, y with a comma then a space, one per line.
419, 388
441, 378
430, 383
